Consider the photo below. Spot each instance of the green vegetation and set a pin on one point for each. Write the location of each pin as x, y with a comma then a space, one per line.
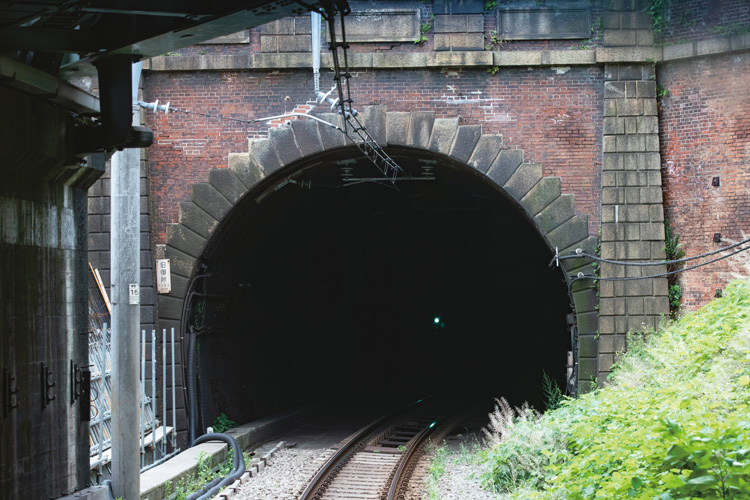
597, 33
223, 423
672, 424
467, 454
494, 41
553, 395
203, 474
657, 9
736, 28
424, 28
673, 251
490, 4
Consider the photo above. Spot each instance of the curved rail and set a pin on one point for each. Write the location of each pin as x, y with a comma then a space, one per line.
399, 478
340, 458
396, 473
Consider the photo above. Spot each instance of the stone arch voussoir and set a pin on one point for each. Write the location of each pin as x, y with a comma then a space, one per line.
541, 198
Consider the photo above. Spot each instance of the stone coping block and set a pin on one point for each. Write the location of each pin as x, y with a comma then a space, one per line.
455, 58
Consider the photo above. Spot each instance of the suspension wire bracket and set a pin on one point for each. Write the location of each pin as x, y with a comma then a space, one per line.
358, 134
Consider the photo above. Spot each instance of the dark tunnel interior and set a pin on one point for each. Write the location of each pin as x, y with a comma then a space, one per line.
324, 288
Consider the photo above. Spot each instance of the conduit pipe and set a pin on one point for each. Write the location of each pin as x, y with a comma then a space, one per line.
215, 486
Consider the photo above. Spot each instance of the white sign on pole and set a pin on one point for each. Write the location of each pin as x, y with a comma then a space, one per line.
135, 293
163, 276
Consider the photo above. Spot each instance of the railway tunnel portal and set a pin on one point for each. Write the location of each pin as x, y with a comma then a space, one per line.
317, 275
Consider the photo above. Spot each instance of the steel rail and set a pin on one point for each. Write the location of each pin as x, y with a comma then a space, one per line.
409, 455
339, 459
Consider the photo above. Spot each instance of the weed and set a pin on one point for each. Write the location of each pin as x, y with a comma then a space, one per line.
736, 28
223, 423
675, 294
597, 33
657, 9
673, 251
661, 91
553, 395
424, 28
494, 40
493, 70
670, 424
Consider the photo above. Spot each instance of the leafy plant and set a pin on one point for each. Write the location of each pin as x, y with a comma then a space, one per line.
223, 423
494, 41
675, 295
493, 70
709, 463
424, 28
553, 395
657, 9
672, 423
661, 91
673, 251
597, 33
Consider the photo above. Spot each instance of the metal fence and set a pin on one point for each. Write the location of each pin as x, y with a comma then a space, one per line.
158, 440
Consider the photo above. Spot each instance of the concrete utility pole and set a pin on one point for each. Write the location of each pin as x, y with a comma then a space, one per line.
126, 312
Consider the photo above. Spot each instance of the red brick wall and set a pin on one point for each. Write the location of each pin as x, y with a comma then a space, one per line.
694, 20
554, 115
704, 130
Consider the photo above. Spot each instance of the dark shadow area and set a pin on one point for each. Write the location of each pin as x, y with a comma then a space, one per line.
325, 291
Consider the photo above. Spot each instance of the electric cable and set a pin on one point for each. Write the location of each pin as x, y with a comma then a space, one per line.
581, 275
580, 253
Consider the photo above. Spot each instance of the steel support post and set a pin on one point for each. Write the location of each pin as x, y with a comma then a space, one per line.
126, 316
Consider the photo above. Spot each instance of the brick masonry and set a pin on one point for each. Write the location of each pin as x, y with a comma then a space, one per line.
553, 114
705, 134
588, 116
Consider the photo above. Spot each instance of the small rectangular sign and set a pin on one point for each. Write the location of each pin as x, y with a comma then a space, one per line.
163, 276
135, 293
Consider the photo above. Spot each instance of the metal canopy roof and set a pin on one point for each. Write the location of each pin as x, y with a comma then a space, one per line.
41, 32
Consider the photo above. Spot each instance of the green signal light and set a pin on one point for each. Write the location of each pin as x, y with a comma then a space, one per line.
432, 425
436, 320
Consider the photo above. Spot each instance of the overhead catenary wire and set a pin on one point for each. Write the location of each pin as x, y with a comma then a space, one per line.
166, 109
579, 253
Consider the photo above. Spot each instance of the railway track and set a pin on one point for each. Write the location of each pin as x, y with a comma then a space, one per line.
377, 462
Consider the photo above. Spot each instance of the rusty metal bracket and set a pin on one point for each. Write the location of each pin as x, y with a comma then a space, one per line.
47, 386
10, 386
